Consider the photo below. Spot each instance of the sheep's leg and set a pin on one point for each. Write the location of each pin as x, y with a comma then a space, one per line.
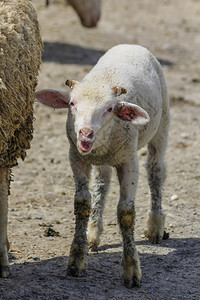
128, 179
4, 186
78, 253
100, 188
156, 175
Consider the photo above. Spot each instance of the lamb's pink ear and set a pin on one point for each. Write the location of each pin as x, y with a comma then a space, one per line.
132, 113
53, 98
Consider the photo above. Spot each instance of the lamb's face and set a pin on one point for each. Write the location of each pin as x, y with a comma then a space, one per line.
93, 118
94, 108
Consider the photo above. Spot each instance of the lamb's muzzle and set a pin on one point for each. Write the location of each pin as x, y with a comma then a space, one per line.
85, 140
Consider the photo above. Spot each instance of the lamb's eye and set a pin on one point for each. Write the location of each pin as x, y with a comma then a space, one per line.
72, 104
109, 109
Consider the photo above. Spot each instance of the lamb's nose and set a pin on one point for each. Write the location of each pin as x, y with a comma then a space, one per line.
87, 133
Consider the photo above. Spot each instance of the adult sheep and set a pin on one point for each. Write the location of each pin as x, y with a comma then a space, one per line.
20, 56
88, 11
120, 106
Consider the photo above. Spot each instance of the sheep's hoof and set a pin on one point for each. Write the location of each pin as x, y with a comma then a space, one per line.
4, 271
73, 271
155, 239
93, 247
153, 236
165, 235
134, 282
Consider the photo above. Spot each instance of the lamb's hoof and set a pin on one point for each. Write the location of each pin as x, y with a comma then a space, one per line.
73, 271
165, 235
93, 247
4, 271
134, 282
155, 239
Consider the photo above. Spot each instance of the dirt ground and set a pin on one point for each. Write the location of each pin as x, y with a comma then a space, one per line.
42, 191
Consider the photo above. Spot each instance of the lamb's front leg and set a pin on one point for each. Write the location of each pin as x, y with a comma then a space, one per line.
128, 178
4, 185
78, 253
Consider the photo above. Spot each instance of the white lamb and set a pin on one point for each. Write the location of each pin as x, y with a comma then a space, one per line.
120, 106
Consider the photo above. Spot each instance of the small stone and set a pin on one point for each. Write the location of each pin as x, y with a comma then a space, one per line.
196, 80
174, 197
182, 145
35, 172
185, 135
167, 46
34, 257
38, 216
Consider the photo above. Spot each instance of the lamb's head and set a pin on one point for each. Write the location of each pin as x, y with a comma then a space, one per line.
94, 108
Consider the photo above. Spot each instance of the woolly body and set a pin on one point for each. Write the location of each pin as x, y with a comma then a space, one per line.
137, 70
20, 52
20, 57
105, 128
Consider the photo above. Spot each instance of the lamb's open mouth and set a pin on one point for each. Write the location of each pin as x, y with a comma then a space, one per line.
85, 146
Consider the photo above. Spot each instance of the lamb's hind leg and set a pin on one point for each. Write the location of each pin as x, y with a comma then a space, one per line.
4, 186
156, 174
101, 182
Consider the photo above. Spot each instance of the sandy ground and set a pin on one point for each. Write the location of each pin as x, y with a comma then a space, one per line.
42, 191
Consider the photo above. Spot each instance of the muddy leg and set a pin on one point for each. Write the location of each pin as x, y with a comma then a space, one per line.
100, 188
4, 186
78, 253
128, 178
156, 174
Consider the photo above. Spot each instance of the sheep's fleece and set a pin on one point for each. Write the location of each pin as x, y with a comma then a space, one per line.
20, 57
